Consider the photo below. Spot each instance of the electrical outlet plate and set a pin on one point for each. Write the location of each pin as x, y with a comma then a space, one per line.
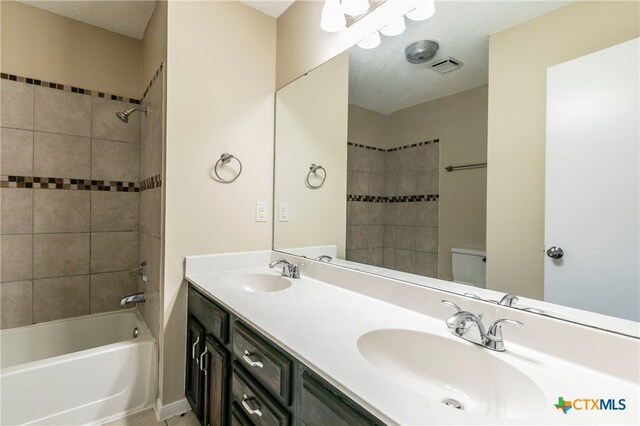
261, 211
283, 212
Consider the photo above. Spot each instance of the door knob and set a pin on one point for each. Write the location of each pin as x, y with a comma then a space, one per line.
555, 252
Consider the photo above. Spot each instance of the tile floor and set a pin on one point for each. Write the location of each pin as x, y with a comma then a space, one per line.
148, 418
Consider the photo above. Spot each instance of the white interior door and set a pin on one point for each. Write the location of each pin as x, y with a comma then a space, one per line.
592, 182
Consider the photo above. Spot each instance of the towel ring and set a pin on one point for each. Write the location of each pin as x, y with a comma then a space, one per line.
314, 169
225, 159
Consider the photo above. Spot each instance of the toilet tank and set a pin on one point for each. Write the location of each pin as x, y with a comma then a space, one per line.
469, 267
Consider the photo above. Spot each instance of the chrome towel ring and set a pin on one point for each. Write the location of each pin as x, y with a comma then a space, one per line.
314, 169
226, 159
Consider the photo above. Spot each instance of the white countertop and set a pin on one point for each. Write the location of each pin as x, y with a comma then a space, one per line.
320, 324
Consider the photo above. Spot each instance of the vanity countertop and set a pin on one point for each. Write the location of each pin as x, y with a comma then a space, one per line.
321, 324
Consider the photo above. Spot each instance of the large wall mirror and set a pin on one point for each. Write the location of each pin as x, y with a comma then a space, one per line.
382, 159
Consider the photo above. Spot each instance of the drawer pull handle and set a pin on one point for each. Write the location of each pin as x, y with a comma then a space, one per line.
251, 411
251, 362
193, 349
206, 349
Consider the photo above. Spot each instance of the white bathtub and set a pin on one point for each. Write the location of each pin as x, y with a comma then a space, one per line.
77, 371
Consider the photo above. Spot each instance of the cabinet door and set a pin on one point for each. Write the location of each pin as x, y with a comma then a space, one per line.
321, 405
195, 347
238, 418
216, 384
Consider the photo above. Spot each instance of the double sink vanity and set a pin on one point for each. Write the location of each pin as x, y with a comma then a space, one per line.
336, 346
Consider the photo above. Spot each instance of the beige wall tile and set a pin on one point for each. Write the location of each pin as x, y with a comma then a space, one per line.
114, 211
15, 304
406, 183
405, 261
151, 154
427, 182
153, 100
360, 183
108, 288
389, 258
105, 124
62, 156
16, 210
406, 237
16, 105
359, 237
376, 184
390, 214
389, 236
359, 213
114, 160
16, 152
57, 111
427, 264
150, 251
58, 298
114, 251
57, 255
427, 213
150, 212
391, 184
17, 252
61, 211
427, 239
376, 256
152, 309
358, 255
375, 236
376, 214
407, 213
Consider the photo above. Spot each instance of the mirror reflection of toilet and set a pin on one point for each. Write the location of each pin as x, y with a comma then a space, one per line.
469, 267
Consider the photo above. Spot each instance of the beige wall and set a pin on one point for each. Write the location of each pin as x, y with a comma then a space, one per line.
460, 122
311, 127
219, 99
518, 62
42, 45
154, 44
367, 127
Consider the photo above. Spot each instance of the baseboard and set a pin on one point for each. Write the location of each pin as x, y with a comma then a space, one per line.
163, 412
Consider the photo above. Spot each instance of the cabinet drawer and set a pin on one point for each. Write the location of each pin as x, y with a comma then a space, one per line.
257, 406
214, 318
268, 365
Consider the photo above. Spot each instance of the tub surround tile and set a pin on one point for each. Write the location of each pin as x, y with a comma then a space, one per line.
114, 251
150, 251
427, 239
405, 261
359, 213
152, 309
16, 211
406, 237
114, 211
427, 264
151, 154
154, 100
105, 124
60, 255
16, 152
58, 298
114, 160
375, 236
150, 212
61, 211
57, 111
17, 255
359, 237
390, 258
16, 300
358, 255
16, 108
375, 213
108, 288
61, 156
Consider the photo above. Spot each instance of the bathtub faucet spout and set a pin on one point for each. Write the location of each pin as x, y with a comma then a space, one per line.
132, 298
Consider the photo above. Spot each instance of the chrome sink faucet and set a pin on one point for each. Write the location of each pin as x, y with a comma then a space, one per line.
469, 326
289, 270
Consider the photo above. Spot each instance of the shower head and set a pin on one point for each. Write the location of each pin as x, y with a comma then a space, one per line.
124, 115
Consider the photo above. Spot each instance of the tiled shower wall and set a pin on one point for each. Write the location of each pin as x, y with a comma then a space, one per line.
392, 207
70, 202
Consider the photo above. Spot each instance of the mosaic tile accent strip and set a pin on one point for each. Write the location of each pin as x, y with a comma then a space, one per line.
153, 80
151, 183
398, 148
67, 88
394, 199
37, 182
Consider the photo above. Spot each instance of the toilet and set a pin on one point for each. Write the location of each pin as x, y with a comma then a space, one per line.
469, 267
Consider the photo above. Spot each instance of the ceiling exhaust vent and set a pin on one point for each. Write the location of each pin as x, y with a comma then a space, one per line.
446, 65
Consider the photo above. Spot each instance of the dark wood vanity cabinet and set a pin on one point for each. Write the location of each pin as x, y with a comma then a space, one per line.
237, 377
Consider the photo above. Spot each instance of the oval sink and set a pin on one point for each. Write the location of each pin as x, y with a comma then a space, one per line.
443, 369
256, 283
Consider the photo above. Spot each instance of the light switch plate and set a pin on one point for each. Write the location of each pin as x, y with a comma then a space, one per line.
261, 211
283, 212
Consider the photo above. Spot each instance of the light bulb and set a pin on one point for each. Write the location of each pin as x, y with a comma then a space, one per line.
395, 27
371, 41
355, 7
333, 19
422, 12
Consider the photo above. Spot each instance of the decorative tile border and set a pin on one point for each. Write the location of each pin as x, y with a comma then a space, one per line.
37, 182
151, 183
153, 80
398, 148
394, 199
67, 88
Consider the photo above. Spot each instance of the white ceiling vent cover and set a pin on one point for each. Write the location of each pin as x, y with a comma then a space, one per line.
446, 65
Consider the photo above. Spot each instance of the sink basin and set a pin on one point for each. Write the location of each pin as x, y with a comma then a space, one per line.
442, 369
256, 283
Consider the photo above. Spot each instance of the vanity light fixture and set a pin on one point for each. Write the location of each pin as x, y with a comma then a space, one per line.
371, 42
423, 12
355, 7
395, 27
333, 19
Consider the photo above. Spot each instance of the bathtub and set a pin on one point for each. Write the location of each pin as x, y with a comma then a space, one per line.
76, 371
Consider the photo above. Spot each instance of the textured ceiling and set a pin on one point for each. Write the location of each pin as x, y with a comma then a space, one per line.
125, 17
382, 80
273, 8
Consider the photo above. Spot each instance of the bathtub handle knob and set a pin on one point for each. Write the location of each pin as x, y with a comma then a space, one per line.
206, 349
193, 349
251, 362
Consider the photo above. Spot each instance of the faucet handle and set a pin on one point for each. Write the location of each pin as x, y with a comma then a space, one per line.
453, 305
494, 334
508, 300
